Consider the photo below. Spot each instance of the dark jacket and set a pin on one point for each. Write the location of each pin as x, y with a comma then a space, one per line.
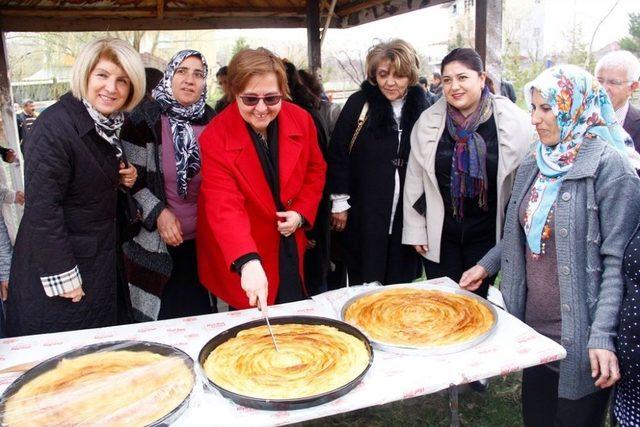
148, 264
71, 183
367, 175
632, 125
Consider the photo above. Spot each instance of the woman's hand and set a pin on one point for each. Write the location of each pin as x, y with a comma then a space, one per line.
169, 228
19, 198
75, 295
604, 367
4, 290
254, 282
339, 220
128, 175
473, 277
421, 249
291, 221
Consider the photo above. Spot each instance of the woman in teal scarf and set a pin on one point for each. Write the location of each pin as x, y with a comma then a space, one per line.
574, 206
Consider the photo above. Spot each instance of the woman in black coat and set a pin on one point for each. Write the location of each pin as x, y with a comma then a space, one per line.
63, 275
366, 174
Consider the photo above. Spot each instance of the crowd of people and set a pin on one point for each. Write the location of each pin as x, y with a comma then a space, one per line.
144, 203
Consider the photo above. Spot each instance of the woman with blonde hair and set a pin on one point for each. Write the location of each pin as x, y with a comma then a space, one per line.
368, 156
262, 179
63, 275
465, 151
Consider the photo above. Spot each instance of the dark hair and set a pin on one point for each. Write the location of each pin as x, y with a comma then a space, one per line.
311, 82
222, 71
153, 76
300, 95
468, 57
437, 75
422, 80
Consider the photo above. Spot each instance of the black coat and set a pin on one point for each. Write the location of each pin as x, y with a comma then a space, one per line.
632, 125
71, 185
367, 175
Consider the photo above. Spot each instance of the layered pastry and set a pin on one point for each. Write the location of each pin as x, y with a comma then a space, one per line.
419, 317
312, 359
115, 388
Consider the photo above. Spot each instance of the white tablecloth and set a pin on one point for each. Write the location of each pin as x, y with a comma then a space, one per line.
512, 347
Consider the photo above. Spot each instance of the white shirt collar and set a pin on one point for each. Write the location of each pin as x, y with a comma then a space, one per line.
621, 113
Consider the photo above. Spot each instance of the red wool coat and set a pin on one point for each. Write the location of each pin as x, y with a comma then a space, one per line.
236, 211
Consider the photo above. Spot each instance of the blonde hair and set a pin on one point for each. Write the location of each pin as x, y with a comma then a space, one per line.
120, 53
403, 58
254, 62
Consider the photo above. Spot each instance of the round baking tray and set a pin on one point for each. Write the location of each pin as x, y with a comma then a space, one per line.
426, 350
285, 404
162, 349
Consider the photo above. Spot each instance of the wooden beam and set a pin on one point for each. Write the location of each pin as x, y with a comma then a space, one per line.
374, 10
313, 35
38, 24
488, 34
358, 7
77, 13
160, 9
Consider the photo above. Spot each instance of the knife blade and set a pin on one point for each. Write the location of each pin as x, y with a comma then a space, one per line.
266, 317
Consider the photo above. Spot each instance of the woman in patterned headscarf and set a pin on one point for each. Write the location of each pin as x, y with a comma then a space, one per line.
63, 272
574, 205
161, 139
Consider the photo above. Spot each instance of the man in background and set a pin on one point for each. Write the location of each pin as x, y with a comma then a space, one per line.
26, 119
619, 72
221, 77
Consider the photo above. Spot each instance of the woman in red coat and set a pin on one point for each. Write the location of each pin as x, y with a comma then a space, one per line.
262, 179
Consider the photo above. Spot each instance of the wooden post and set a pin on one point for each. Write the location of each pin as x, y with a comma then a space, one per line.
313, 35
10, 129
489, 38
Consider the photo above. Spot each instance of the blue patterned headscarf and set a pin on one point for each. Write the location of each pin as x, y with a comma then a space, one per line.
185, 144
583, 111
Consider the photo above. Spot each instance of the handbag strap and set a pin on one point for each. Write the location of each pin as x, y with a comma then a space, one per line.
361, 119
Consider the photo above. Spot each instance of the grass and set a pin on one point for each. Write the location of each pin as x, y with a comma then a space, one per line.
498, 406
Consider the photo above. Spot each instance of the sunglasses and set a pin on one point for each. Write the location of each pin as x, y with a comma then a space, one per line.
252, 100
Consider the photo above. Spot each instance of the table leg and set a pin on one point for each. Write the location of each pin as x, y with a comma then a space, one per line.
453, 405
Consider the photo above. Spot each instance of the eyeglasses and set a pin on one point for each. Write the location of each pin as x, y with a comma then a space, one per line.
252, 100
612, 82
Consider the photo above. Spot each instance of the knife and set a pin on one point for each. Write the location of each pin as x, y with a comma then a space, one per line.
266, 317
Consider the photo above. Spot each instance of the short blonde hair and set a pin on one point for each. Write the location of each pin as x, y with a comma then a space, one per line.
120, 53
254, 62
403, 58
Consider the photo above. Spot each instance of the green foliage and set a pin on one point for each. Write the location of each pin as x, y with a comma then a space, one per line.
241, 43
632, 41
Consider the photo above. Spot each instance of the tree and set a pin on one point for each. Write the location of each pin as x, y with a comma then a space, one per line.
352, 64
241, 43
632, 41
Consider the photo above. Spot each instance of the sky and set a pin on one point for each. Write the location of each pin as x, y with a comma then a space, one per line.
431, 25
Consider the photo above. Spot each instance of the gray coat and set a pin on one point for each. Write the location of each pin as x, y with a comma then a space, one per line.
596, 213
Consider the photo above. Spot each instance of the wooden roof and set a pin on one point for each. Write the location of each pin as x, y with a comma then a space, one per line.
102, 15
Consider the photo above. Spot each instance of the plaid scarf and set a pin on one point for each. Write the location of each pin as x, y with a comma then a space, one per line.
107, 127
469, 162
185, 144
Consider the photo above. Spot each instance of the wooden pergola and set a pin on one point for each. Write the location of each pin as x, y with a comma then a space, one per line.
317, 16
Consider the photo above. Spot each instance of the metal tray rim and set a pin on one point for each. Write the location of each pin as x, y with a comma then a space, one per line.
424, 350
294, 403
167, 419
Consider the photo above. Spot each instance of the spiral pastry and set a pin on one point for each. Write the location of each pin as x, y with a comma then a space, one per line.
115, 388
313, 359
419, 317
